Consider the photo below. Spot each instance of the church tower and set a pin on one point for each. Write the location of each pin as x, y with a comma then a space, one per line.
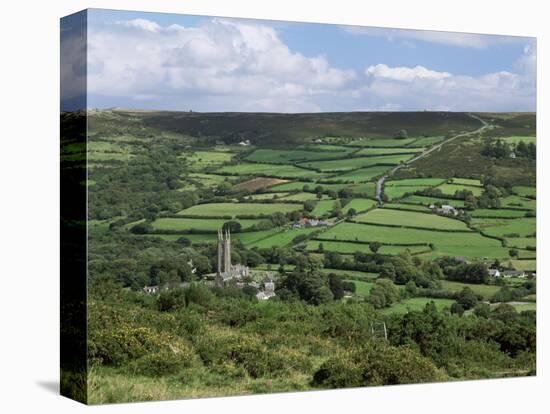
227, 252
224, 256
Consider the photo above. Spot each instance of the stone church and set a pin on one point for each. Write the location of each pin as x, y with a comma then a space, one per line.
227, 271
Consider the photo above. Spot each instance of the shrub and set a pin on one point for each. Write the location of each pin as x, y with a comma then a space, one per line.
158, 364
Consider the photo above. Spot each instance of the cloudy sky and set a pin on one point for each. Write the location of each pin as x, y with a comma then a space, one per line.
210, 64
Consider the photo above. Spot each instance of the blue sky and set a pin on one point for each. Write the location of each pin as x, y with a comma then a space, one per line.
168, 61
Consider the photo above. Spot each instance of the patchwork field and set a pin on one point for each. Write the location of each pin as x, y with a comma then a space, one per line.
417, 304
467, 244
360, 175
272, 170
186, 224
384, 143
293, 156
352, 247
411, 219
520, 227
451, 189
354, 163
235, 209
359, 205
427, 201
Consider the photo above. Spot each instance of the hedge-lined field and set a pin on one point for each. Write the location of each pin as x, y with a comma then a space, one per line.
468, 244
408, 182
272, 170
296, 155
400, 191
350, 247
388, 151
323, 207
518, 202
353, 163
183, 224
416, 304
520, 227
497, 213
361, 175
412, 219
359, 204
426, 201
384, 143
525, 191
235, 209
451, 189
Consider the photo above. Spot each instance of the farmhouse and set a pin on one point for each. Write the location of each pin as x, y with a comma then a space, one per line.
494, 273
513, 273
151, 289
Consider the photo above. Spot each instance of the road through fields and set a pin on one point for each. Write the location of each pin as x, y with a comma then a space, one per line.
380, 182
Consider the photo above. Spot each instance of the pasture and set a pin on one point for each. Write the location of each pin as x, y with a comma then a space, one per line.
525, 191
258, 183
451, 189
361, 288
518, 202
484, 290
411, 219
416, 304
273, 170
426, 201
202, 159
235, 209
495, 212
354, 163
520, 227
323, 207
272, 156
409, 182
384, 143
359, 204
387, 151
187, 224
350, 247
360, 175
467, 244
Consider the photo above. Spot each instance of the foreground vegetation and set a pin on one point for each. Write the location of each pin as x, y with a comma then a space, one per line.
299, 198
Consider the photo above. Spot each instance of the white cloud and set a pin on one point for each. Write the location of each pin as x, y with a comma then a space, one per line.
404, 73
468, 40
247, 61
143, 24
237, 65
418, 88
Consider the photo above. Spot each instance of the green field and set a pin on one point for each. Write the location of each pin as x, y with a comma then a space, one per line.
202, 159
466, 181
524, 191
359, 204
208, 225
470, 244
399, 191
387, 151
451, 189
384, 143
406, 207
234, 209
350, 248
412, 219
271, 170
323, 207
281, 238
526, 265
266, 196
495, 212
522, 242
517, 139
354, 163
484, 290
351, 274
518, 202
521, 227
273, 156
417, 304
303, 197
411, 182
360, 175
361, 288
426, 201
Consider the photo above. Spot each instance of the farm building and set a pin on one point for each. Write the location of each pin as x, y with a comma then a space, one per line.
494, 273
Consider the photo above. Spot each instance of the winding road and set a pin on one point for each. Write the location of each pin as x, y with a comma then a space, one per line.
380, 182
